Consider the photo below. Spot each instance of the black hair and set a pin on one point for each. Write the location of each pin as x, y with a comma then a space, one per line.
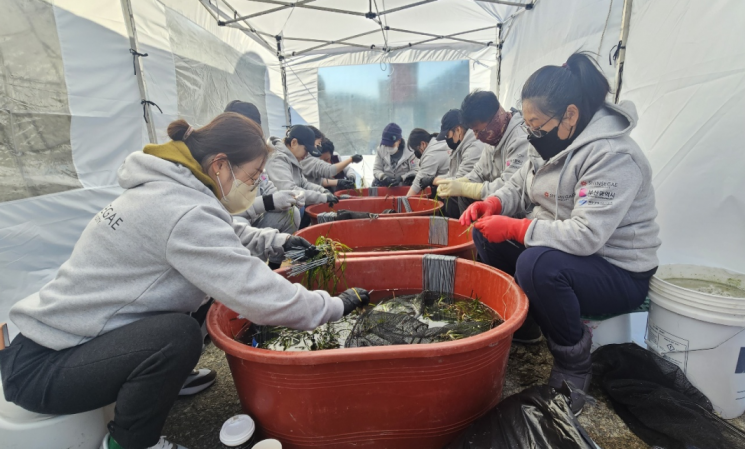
327, 146
419, 135
244, 108
579, 82
316, 132
479, 106
240, 138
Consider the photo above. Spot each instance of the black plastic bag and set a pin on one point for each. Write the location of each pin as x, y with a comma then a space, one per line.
536, 418
658, 403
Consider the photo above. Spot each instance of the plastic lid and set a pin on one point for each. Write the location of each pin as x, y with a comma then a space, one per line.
237, 430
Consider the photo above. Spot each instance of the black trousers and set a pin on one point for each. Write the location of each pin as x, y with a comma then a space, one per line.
562, 287
141, 367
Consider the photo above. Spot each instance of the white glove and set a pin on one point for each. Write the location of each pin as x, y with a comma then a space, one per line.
299, 198
284, 200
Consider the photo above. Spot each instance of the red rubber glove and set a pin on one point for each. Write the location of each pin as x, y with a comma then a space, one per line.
480, 209
498, 228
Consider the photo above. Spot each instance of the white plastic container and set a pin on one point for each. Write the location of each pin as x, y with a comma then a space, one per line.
268, 444
703, 334
614, 330
21, 429
237, 430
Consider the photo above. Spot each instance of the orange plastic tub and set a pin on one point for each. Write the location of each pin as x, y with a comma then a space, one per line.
394, 397
386, 232
419, 207
382, 191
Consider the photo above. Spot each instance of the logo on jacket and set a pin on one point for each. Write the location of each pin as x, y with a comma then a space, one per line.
583, 192
546, 194
584, 183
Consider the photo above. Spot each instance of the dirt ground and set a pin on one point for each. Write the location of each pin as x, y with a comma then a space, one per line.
195, 422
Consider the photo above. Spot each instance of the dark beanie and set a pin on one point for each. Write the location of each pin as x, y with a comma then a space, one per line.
391, 134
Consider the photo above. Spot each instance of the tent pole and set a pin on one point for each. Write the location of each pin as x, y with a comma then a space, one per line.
129, 21
288, 118
498, 81
625, 22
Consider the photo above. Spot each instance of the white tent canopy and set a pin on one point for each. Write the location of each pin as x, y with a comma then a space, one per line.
71, 103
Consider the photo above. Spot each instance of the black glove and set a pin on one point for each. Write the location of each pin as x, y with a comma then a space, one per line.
397, 181
343, 184
353, 299
342, 215
331, 199
408, 180
426, 181
385, 181
295, 242
357, 158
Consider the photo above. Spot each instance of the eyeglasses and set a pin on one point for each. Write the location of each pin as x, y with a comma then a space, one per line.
537, 132
253, 179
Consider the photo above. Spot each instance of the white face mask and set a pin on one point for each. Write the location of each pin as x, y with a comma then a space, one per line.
240, 197
388, 150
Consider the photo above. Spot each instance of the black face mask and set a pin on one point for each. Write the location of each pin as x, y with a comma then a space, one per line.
549, 145
452, 144
418, 154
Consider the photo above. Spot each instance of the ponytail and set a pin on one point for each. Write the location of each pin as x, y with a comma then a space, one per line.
240, 138
579, 82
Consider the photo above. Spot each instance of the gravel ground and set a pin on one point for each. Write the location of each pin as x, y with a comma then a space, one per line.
196, 421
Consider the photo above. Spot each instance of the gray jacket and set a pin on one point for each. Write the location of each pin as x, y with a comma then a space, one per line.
164, 245
407, 166
285, 172
434, 162
595, 197
316, 170
464, 158
498, 163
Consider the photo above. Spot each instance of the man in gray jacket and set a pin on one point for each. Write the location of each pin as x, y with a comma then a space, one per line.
506, 147
465, 151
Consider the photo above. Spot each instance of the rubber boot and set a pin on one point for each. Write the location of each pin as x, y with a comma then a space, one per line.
573, 365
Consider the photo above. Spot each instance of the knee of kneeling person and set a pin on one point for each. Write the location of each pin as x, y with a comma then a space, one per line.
538, 262
186, 334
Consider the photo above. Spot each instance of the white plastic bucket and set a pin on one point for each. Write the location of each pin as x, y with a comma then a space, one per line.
703, 334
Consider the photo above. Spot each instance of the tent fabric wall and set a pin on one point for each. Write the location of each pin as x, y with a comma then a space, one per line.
689, 90
70, 113
549, 33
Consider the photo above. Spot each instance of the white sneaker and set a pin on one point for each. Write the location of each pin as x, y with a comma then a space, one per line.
198, 380
161, 444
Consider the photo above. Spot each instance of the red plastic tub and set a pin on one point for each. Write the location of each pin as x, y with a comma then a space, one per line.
394, 397
385, 232
383, 191
419, 207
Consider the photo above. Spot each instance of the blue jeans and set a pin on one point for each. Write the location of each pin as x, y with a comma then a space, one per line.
561, 286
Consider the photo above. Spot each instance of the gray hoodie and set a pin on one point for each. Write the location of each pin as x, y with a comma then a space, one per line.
165, 245
498, 163
595, 197
315, 170
406, 167
434, 162
464, 158
285, 172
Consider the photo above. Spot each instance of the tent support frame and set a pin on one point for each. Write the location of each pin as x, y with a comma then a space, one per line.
132, 31
625, 22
